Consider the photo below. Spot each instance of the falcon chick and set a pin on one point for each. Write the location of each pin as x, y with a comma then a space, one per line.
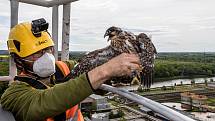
141, 44
121, 42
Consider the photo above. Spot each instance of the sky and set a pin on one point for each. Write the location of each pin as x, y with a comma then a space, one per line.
175, 25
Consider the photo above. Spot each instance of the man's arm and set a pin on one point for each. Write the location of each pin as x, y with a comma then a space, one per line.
31, 104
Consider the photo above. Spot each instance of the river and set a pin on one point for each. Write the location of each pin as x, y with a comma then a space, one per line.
170, 83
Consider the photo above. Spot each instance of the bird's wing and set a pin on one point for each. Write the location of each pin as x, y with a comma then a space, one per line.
147, 56
92, 60
124, 42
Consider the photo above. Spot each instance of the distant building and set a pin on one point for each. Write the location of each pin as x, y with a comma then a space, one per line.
100, 102
95, 102
191, 100
211, 84
199, 100
100, 117
186, 100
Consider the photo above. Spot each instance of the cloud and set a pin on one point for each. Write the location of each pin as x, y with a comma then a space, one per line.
4, 9
173, 25
29, 12
97, 5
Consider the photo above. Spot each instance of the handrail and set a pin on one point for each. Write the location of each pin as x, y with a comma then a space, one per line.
5, 78
47, 3
155, 106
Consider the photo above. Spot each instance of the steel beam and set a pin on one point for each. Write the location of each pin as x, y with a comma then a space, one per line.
47, 3
65, 32
14, 5
55, 29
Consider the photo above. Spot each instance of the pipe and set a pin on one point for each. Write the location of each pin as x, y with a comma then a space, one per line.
47, 3
155, 106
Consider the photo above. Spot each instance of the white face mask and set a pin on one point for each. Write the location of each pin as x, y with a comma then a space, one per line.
45, 65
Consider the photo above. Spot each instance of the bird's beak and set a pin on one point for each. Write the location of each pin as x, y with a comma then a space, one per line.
106, 34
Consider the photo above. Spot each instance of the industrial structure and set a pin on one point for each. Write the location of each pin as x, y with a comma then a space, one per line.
211, 85
95, 103
191, 101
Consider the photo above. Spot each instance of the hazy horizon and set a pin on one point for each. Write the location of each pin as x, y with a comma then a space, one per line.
175, 25
158, 52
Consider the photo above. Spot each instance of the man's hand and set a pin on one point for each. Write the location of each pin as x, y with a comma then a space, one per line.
121, 65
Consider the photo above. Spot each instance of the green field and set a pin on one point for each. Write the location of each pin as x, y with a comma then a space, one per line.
4, 68
4, 56
211, 101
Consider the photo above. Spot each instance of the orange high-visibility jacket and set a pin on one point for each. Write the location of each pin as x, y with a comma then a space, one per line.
30, 102
74, 113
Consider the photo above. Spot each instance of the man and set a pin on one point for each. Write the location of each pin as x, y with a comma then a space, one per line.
30, 97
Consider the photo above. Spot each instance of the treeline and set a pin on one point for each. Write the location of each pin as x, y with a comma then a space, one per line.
188, 64
166, 65
4, 68
203, 57
168, 68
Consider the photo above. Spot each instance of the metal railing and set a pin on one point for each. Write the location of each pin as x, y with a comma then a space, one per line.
155, 106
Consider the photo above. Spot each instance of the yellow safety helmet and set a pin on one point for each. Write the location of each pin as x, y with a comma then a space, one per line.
23, 42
